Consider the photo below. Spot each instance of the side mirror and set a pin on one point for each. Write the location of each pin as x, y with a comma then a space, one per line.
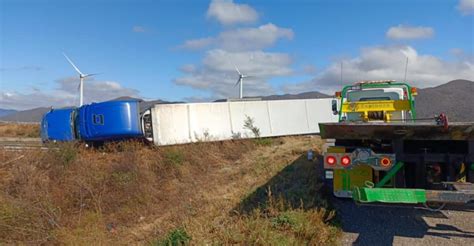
334, 107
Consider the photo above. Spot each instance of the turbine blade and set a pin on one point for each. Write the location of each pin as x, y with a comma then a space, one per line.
90, 74
72, 64
79, 86
238, 81
237, 70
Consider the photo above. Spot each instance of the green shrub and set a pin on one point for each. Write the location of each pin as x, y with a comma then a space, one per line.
66, 153
176, 237
282, 220
249, 124
263, 141
174, 157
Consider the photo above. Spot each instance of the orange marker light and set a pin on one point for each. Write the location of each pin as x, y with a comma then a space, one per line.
385, 162
338, 94
414, 91
345, 161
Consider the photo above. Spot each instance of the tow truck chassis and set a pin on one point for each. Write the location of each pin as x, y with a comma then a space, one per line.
431, 162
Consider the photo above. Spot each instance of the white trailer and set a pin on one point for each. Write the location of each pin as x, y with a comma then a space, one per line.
168, 124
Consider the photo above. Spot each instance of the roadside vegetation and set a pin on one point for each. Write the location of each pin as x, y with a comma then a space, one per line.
233, 192
19, 130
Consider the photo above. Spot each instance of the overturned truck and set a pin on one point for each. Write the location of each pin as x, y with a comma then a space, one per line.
379, 151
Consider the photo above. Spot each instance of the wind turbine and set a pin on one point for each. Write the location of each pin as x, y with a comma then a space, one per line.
241, 82
81, 80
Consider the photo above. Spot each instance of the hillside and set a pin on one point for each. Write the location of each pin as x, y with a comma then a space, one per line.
304, 95
226, 193
30, 115
452, 98
4, 112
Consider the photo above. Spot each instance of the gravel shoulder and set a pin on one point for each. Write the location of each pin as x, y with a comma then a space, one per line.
384, 225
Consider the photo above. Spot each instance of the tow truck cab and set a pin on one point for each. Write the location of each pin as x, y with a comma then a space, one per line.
350, 163
376, 102
111, 120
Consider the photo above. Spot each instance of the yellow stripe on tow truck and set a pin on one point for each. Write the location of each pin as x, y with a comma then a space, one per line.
336, 149
368, 106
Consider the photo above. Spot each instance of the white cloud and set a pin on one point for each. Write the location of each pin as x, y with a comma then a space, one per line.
309, 69
65, 94
466, 7
188, 68
243, 39
242, 47
139, 29
227, 12
409, 32
217, 73
462, 55
388, 62
196, 44
253, 38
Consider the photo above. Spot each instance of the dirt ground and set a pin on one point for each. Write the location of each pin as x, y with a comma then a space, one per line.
139, 195
260, 191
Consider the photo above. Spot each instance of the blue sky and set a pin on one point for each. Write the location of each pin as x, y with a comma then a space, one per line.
186, 50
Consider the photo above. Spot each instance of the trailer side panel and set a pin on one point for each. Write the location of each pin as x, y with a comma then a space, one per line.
193, 122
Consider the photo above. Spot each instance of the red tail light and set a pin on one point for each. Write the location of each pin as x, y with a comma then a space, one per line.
331, 160
345, 161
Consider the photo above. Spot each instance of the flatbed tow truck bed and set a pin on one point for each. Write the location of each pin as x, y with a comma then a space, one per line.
398, 130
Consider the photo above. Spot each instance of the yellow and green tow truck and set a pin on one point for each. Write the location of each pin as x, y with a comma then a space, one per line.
380, 152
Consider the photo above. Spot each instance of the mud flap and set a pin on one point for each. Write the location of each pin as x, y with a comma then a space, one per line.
389, 195
345, 180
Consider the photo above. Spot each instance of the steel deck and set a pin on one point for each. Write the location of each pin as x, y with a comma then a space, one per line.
399, 130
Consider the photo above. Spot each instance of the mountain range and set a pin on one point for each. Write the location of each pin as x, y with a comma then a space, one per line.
452, 98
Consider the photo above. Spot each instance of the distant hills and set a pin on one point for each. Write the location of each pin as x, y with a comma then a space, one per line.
30, 115
304, 95
5, 112
452, 98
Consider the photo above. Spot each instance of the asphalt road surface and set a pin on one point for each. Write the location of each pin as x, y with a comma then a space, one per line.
385, 225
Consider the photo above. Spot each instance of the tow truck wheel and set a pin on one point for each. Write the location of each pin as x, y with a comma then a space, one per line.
434, 206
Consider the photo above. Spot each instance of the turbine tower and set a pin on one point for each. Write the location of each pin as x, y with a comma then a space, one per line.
82, 76
240, 82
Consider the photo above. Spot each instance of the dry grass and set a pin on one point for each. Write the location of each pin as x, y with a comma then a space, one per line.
19, 130
126, 193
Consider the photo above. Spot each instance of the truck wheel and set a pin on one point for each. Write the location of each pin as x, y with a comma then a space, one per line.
434, 206
470, 173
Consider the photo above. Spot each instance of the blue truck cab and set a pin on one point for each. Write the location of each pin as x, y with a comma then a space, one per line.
104, 121
58, 125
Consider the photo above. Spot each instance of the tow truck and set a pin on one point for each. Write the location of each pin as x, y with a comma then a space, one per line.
380, 152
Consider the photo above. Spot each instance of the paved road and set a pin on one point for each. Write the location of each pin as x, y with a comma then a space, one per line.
369, 225
14, 143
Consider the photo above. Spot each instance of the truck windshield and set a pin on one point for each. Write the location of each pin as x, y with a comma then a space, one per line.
375, 94
374, 98
75, 120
